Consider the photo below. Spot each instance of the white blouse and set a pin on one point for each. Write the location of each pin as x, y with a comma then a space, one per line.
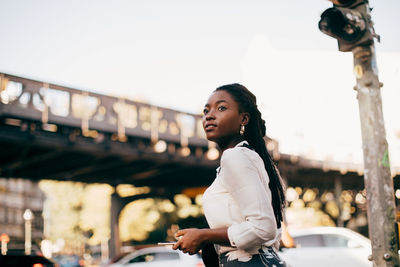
240, 199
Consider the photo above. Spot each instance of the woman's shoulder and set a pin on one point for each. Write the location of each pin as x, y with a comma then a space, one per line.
239, 154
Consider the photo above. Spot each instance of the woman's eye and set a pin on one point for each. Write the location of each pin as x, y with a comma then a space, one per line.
221, 108
205, 111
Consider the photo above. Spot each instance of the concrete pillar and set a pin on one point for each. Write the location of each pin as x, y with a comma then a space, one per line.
117, 204
116, 207
338, 193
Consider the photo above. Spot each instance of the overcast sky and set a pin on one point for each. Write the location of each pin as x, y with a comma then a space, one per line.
174, 53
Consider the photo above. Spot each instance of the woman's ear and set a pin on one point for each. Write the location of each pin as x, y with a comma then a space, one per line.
245, 118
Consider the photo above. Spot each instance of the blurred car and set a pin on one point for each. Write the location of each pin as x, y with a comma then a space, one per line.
68, 260
114, 260
14, 260
327, 246
159, 257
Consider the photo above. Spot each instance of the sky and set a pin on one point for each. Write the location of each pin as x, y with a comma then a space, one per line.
174, 53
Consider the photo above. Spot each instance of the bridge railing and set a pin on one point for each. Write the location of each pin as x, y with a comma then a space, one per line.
53, 105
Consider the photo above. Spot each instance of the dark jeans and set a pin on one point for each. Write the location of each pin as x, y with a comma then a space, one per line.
266, 257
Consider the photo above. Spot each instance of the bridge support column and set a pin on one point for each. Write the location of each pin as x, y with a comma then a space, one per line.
338, 193
116, 207
117, 204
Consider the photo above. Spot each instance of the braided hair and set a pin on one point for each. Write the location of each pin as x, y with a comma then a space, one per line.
255, 131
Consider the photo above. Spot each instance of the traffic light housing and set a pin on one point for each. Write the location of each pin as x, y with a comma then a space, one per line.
349, 21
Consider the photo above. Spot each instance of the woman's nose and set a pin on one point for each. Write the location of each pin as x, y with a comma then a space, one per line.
209, 116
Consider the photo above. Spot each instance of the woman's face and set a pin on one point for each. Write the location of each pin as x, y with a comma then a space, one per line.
221, 117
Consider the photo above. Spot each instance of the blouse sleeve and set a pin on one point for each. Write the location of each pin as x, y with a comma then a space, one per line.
244, 183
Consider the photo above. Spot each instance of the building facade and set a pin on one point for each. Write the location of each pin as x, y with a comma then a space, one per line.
17, 195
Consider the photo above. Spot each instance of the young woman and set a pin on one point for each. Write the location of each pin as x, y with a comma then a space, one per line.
244, 204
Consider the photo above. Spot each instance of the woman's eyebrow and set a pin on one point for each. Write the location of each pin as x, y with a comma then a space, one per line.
220, 101
217, 102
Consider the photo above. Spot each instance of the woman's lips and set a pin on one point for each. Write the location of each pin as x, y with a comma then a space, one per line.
210, 127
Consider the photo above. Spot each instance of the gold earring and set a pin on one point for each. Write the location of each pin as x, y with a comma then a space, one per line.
241, 130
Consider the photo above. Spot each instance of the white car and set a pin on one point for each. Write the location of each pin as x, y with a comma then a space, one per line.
159, 257
327, 246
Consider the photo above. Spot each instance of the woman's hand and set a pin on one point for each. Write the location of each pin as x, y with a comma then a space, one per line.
190, 240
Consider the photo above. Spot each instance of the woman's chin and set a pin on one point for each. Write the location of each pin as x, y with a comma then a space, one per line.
211, 137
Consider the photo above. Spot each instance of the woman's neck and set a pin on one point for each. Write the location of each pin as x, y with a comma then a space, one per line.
229, 143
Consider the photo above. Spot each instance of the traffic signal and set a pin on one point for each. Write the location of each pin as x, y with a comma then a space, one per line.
349, 21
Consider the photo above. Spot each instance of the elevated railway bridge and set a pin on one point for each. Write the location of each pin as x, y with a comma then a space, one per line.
48, 131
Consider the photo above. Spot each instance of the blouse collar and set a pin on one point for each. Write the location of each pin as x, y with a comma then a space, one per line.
239, 144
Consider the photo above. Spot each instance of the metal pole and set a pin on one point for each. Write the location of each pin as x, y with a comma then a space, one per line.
3, 247
377, 178
28, 238
28, 217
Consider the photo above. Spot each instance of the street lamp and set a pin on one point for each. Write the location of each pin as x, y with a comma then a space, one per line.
28, 217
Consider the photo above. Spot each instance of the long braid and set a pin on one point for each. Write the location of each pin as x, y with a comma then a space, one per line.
254, 134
